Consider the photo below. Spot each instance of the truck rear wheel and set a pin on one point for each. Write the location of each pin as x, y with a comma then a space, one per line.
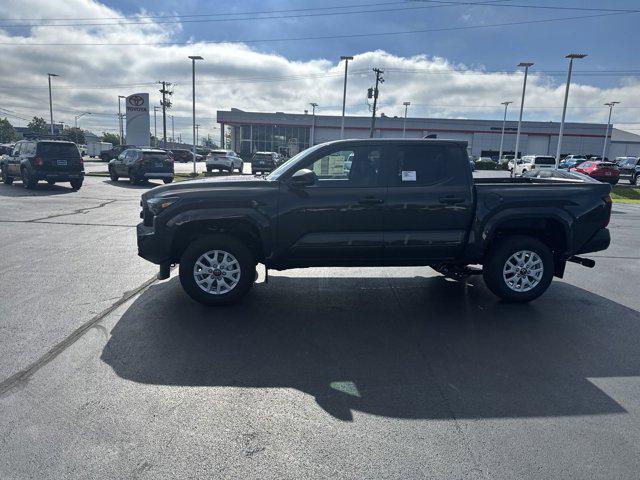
518, 268
217, 270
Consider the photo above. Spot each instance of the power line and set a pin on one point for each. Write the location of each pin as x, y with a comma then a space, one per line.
210, 20
325, 37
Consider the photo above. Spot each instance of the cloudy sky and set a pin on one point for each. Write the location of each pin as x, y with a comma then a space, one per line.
448, 58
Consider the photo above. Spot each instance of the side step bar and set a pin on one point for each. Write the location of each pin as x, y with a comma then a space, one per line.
585, 262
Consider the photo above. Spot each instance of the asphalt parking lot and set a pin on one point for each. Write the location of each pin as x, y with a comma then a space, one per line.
340, 373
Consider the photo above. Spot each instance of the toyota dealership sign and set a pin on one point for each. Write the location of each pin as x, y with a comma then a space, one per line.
138, 120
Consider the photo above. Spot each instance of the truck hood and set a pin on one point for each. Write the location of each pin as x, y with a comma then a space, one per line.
208, 184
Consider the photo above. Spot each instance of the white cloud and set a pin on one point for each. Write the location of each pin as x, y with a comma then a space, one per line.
235, 75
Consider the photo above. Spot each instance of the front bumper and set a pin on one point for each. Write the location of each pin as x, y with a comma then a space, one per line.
600, 241
150, 246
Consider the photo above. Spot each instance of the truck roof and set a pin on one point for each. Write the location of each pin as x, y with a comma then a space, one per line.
433, 141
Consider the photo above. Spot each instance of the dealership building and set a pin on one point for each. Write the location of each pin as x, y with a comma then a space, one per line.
289, 133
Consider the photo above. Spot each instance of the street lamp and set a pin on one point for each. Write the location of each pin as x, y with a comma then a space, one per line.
120, 122
50, 101
75, 123
504, 122
173, 134
526, 66
313, 124
155, 127
404, 124
344, 92
571, 57
606, 135
193, 85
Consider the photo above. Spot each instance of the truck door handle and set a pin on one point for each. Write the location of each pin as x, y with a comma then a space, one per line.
450, 200
370, 201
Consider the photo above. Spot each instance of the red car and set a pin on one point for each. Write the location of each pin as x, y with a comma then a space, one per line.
603, 171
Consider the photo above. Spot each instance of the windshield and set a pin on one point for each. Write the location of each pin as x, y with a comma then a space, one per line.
277, 173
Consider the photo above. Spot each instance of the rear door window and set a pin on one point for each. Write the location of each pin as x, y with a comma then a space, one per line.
545, 161
416, 165
51, 149
154, 157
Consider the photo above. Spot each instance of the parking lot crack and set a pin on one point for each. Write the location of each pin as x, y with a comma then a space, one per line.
78, 211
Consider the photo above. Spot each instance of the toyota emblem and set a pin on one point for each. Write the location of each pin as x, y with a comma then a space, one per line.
136, 100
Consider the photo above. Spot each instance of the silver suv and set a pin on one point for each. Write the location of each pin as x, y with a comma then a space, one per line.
222, 160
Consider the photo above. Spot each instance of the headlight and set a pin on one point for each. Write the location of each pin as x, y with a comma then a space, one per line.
158, 205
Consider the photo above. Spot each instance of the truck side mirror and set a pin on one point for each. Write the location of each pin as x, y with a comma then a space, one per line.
303, 178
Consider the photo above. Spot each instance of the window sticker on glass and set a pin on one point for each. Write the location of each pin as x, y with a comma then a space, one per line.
408, 175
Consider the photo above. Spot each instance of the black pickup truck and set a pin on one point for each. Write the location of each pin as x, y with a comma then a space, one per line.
374, 203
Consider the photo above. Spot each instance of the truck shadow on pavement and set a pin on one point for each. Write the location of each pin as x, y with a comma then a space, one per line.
124, 183
416, 348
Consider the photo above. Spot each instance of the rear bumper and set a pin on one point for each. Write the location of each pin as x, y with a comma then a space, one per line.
158, 175
606, 179
600, 241
57, 176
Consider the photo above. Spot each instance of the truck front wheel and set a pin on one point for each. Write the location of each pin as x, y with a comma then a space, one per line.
518, 268
217, 270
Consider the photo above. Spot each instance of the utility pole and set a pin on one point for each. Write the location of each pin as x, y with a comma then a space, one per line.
344, 91
50, 101
374, 92
155, 127
197, 132
193, 59
166, 103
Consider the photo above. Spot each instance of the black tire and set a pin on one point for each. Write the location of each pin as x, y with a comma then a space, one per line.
241, 167
6, 179
51, 182
113, 175
133, 180
76, 184
167, 180
497, 257
634, 180
217, 242
104, 158
28, 181
209, 169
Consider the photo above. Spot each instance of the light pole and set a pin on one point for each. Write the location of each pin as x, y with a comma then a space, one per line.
606, 135
571, 57
50, 101
193, 87
155, 127
404, 124
173, 133
504, 122
75, 123
197, 132
313, 124
120, 122
526, 66
344, 92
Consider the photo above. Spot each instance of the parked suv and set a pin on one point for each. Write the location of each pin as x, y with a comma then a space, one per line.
182, 155
531, 162
224, 160
265, 161
113, 152
629, 169
602, 171
50, 160
141, 165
